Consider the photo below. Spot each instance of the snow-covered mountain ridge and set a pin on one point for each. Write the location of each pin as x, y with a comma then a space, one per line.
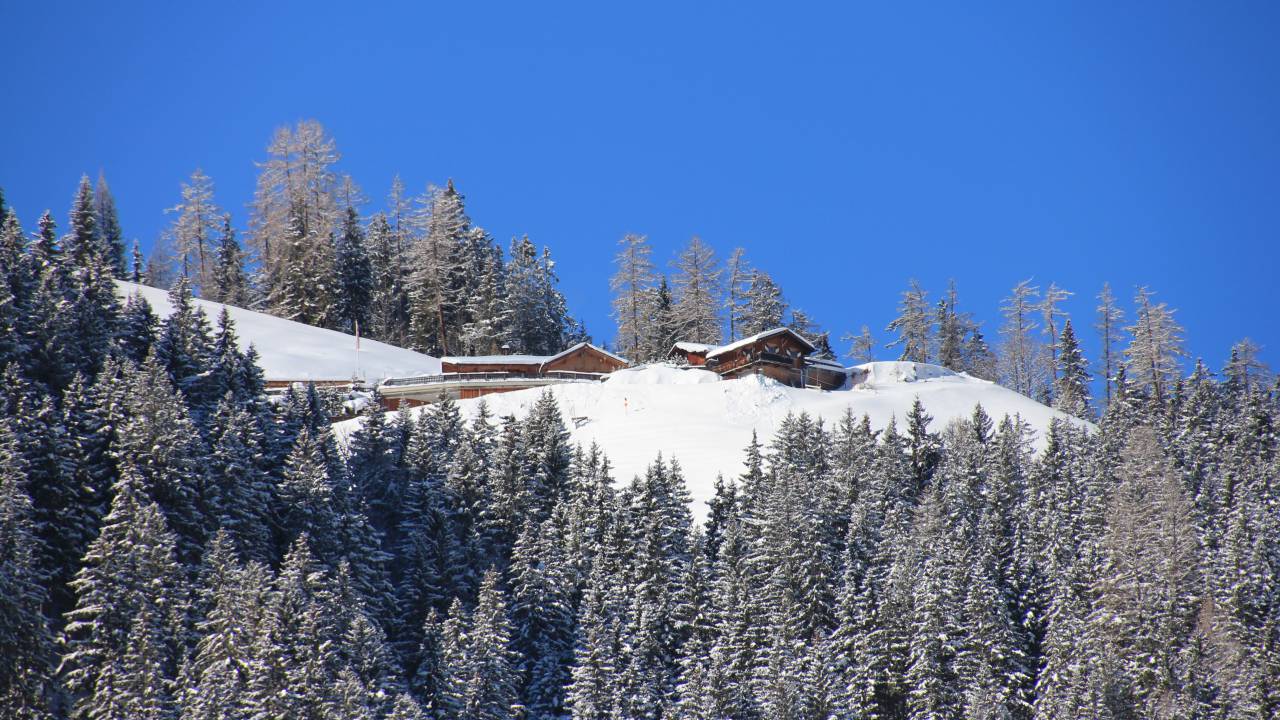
705, 422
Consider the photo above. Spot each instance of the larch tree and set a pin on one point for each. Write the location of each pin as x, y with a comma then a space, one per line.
913, 324
1020, 353
862, 347
1157, 345
296, 197
632, 287
697, 282
193, 230
1244, 370
1051, 314
1108, 325
737, 284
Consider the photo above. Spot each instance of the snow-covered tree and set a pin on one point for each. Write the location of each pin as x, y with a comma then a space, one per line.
913, 324
697, 282
862, 347
1153, 354
1108, 325
1071, 384
354, 284
193, 230
632, 286
1020, 366
108, 221
737, 282
228, 283
765, 307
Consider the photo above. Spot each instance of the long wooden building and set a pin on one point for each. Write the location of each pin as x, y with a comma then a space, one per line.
464, 377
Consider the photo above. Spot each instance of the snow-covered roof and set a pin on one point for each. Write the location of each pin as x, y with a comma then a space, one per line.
693, 347
495, 359
757, 338
825, 362
289, 350
524, 359
581, 345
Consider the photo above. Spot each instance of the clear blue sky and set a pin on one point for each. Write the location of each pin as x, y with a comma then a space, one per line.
848, 146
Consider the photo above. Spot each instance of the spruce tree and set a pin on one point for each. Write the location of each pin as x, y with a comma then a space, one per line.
26, 643
764, 305
355, 276
108, 222
228, 282
130, 604
1071, 388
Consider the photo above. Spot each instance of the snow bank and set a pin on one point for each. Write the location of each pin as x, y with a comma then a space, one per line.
705, 422
293, 351
881, 374
661, 374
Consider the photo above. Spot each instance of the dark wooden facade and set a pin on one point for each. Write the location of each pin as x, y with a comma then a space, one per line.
472, 377
781, 354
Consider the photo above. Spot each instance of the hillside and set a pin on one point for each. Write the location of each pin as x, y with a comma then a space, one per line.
705, 422
293, 351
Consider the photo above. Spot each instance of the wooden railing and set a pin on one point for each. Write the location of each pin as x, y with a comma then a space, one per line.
491, 376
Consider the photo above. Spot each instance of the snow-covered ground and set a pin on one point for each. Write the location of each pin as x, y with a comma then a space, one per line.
293, 351
706, 422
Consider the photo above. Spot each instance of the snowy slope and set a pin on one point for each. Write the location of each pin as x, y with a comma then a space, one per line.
293, 351
705, 422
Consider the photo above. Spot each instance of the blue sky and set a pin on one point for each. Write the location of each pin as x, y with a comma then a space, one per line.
847, 146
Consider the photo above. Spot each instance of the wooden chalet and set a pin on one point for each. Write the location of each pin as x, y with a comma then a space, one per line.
465, 377
780, 353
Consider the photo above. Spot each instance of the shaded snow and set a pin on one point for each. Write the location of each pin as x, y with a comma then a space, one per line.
706, 422
294, 351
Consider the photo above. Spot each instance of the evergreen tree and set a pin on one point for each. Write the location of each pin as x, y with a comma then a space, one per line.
542, 618
388, 305
229, 284
26, 643
136, 330
764, 305
355, 276
1071, 388
482, 678
129, 610
434, 303
108, 223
